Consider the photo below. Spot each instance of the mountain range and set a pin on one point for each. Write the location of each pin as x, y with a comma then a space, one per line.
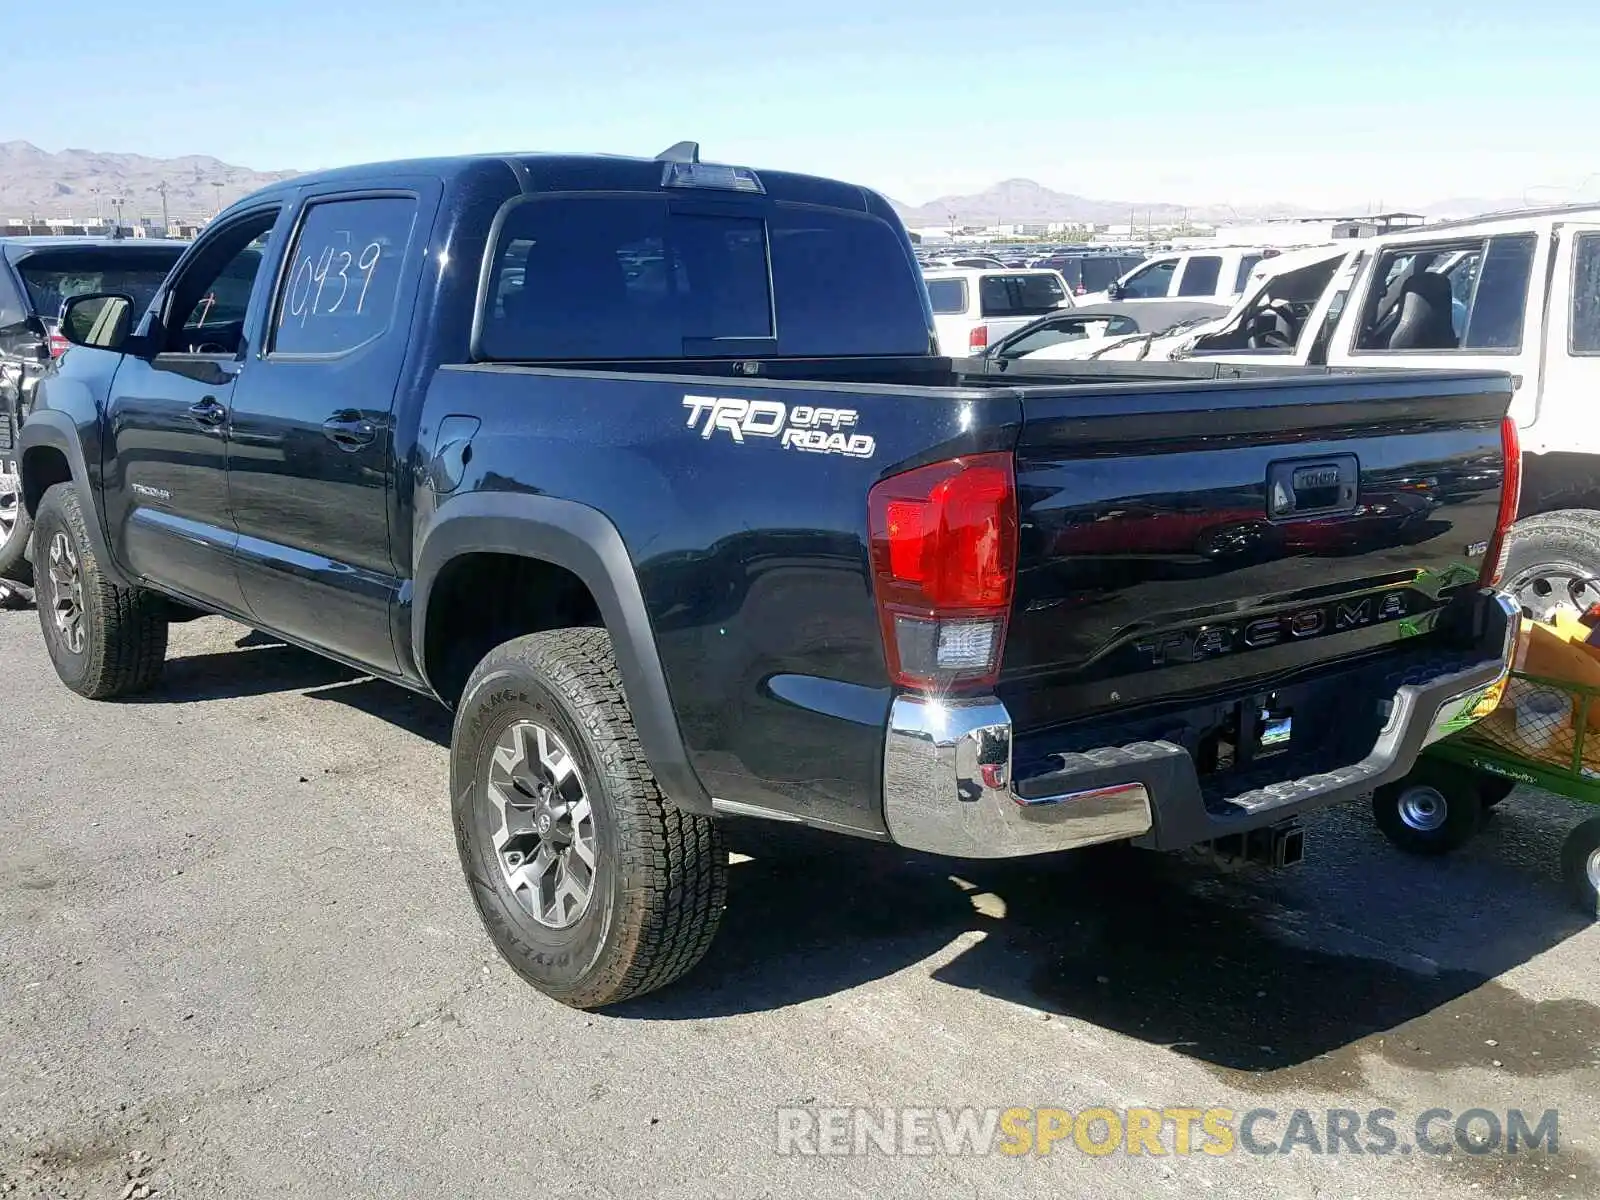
84, 183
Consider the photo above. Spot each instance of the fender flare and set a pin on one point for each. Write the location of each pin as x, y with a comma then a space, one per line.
581, 540
56, 430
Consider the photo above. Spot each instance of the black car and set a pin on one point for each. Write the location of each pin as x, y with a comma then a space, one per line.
37, 276
1091, 271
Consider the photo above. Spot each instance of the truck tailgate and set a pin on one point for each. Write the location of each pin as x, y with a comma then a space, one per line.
1187, 539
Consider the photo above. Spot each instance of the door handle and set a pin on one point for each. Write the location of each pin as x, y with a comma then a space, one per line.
349, 431
208, 412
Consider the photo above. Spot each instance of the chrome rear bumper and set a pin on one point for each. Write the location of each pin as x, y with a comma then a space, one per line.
947, 771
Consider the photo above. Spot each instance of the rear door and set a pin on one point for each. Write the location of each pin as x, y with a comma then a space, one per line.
1565, 414
311, 459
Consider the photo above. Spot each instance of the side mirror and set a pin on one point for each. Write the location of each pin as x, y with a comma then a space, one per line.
100, 320
1114, 290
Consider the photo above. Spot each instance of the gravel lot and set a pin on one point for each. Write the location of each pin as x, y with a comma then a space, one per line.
237, 959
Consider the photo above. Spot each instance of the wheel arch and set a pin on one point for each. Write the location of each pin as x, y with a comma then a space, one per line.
50, 454
569, 542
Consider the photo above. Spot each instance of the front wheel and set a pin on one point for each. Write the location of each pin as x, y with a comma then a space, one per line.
15, 528
104, 640
1580, 866
1436, 809
591, 884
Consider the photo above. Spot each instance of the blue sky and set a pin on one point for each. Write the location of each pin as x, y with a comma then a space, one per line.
1234, 101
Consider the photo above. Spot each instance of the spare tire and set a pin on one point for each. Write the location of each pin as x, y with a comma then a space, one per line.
1552, 563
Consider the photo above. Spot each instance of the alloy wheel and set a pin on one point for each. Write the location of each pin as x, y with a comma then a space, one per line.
66, 592
10, 505
545, 840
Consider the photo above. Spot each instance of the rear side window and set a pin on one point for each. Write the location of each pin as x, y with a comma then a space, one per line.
948, 295
1500, 298
1019, 295
641, 277
1585, 338
1101, 273
344, 275
52, 277
1200, 276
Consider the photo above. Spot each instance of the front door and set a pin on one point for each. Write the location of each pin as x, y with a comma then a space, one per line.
166, 479
311, 467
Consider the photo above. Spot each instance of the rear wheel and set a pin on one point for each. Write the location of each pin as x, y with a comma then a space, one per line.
1434, 810
105, 641
1580, 866
591, 884
1552, 563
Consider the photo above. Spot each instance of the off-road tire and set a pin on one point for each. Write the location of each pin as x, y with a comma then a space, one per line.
1563, 544
14, 564
660, 882
125, 629
1454, 788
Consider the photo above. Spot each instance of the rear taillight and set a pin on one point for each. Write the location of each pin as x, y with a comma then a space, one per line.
978, 339
1510, 498
944, 563
58, 344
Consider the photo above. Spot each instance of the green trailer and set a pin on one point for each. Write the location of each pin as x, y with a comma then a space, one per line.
1545, 732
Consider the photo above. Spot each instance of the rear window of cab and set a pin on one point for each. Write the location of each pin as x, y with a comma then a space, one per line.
610, 277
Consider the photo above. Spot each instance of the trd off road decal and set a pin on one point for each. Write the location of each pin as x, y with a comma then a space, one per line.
812, 428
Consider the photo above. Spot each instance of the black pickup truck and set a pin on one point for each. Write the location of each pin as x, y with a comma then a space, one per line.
647, 469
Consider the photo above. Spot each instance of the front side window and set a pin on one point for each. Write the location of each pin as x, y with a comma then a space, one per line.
1246, 264
1585, 336
343, 279
1151, 283
1416, 301
949, 296
1200, 276
204, 310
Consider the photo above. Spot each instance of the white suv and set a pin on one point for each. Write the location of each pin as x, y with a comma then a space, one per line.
973, 309
1218, 274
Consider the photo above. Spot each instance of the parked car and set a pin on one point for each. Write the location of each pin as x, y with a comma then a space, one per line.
1213, 274
1515, 291
972, 307
1079, 331
1271, 317
982, 261
37, 274
1090, 272
686, 523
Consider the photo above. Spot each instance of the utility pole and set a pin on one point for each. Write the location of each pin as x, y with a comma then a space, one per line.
217, 184
165, 223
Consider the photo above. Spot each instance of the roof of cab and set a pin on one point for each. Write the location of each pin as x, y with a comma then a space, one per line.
551, 172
